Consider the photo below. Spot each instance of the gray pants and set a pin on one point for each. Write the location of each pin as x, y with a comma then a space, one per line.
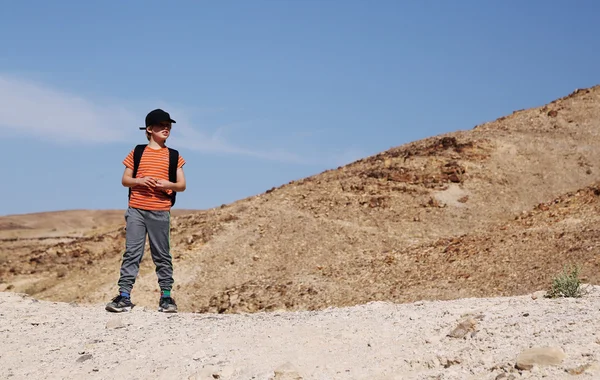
157, 224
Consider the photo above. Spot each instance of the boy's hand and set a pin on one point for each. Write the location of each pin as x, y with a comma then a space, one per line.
147, 181
165, 185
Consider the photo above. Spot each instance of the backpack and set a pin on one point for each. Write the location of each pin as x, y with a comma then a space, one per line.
173, 161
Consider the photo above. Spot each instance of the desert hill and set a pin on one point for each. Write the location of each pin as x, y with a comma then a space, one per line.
494, 210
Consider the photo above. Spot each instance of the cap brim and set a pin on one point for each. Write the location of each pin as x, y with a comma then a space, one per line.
171, 120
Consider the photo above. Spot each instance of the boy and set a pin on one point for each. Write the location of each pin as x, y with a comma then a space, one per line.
148, 212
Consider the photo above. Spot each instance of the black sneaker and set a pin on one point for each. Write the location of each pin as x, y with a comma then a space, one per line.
167, 305
119, 304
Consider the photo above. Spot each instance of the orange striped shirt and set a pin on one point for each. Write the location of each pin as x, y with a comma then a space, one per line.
154, 163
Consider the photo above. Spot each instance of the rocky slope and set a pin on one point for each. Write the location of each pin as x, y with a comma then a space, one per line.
494, 210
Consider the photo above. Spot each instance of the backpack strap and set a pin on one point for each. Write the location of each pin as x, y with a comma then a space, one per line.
137, 158
173, 161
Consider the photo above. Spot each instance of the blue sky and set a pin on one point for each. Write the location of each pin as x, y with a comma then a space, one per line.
263, 91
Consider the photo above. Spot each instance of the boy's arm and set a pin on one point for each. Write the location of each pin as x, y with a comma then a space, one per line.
129, 181
178, 186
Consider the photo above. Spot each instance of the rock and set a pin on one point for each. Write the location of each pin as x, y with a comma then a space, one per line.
115, 323
434, 202
541, 356
538, 294
506, 367
286, 372
463, 328
83, 358
424, 364
454, 178
586, 368
446, 362
505, 376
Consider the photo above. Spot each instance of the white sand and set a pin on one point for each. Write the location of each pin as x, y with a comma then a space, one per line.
44, 340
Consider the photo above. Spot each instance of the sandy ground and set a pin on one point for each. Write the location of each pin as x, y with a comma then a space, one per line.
46, 340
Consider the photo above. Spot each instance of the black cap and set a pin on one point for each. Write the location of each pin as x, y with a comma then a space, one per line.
156, 117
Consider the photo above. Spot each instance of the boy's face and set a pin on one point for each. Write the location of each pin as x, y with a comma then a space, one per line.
160, 132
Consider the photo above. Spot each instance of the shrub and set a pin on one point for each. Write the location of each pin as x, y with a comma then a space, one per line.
566, 284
